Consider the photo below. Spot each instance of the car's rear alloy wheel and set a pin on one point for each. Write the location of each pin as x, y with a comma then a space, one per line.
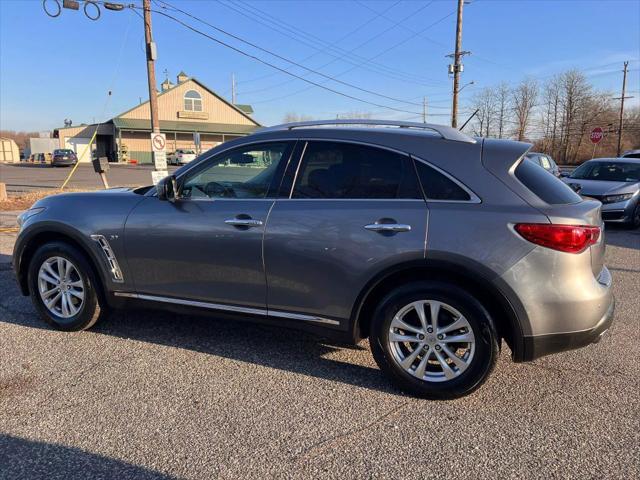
434, 340
61, 287
62, 284
431, 340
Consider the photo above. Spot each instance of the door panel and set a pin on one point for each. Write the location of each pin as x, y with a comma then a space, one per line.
207, 245
319, 255
188, 250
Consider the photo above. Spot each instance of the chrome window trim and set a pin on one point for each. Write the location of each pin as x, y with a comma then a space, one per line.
473, 197
228, 308
110, 257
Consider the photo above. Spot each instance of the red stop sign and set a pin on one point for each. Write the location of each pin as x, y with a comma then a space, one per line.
596, 135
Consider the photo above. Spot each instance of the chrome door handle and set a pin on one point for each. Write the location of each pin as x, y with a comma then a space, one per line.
243, 222
388, 227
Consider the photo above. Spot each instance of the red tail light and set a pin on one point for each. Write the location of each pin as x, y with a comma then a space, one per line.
566, 238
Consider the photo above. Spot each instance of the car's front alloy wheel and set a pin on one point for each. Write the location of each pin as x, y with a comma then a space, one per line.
434, 340
62, 285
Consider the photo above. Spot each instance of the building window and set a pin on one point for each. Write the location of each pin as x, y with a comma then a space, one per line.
192, 101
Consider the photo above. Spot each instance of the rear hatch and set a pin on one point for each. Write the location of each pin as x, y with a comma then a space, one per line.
545, 192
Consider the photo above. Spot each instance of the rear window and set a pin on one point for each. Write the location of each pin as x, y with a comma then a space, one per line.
544, 184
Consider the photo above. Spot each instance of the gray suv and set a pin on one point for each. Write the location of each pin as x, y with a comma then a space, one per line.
434, 245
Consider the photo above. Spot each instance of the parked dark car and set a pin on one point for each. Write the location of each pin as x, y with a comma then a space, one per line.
613, 181
545, 161
63, 157
434, 245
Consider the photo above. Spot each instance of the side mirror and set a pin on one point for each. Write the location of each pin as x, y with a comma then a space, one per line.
167, 189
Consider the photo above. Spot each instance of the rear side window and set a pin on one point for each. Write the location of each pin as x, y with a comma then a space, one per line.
437, 186
343, 170
545, 185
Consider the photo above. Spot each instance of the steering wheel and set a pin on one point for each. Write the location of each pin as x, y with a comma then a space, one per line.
215, 189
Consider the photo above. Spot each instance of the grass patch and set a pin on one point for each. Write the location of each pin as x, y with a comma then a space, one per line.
23, 201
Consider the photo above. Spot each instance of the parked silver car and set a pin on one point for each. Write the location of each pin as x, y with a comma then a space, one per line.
613, 181
434, 245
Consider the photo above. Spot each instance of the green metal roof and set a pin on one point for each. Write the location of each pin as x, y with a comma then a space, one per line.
248, 109
180, 126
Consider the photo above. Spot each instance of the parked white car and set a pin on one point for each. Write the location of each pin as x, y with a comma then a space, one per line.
181, 156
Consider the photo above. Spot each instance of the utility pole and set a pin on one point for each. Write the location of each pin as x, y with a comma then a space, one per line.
621, 121
233, 88
151, 75
457, 65
424, 109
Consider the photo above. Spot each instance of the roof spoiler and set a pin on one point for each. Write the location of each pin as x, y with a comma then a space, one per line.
447, 133
501, 156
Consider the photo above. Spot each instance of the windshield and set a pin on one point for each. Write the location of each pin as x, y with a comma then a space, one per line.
608, 171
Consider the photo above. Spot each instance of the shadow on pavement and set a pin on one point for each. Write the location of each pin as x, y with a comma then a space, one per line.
266, 345
622, 236
21, 458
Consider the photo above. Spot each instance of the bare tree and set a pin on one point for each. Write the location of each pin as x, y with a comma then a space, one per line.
485, 102
524, 100
503, 97
292, 117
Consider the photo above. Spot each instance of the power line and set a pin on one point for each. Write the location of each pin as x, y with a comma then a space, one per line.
353, 68
292, 62
294, 33
264, 62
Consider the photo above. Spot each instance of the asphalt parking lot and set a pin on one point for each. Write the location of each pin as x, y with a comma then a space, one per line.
24, 177
155, 395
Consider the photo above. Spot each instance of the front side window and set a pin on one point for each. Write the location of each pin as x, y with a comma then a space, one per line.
246, 172
192, 101
334, 170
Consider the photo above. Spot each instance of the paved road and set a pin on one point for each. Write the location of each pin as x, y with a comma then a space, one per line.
21, 177
153, 395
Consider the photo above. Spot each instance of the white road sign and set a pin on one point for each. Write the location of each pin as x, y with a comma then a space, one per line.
158, 175
158, 142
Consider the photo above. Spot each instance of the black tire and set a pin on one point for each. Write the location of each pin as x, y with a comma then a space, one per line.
92, 307
486, 340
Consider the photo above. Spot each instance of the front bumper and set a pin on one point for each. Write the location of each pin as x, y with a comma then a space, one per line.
621, 212
541, 345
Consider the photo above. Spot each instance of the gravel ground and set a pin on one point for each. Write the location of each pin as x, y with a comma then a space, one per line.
156, 395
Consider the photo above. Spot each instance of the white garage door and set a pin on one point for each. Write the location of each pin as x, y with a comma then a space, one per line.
79, 145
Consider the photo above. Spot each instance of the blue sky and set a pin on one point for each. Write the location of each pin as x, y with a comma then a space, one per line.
57, 68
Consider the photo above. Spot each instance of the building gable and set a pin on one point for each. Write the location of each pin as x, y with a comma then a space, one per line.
171, 107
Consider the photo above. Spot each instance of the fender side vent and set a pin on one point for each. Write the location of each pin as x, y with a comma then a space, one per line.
112, 262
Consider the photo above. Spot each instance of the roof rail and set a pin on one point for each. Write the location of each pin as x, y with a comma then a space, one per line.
447, 133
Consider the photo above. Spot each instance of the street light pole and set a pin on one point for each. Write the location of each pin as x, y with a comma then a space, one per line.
151, 70
456, 66
621, 120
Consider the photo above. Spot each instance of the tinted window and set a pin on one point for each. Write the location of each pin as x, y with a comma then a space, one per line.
437, 186
544, 184
246, 172
343, 170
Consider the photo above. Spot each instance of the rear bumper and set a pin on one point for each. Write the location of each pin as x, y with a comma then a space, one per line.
63, 163
541, 345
